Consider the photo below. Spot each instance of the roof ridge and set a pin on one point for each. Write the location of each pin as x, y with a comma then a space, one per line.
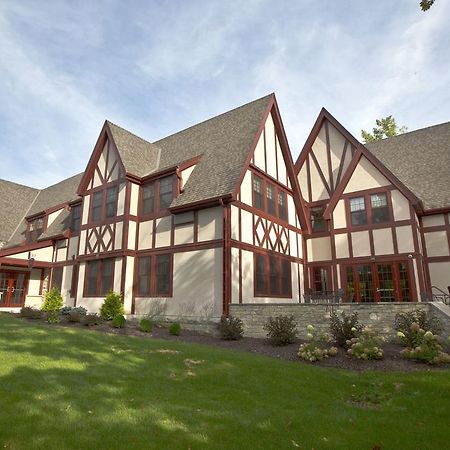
129, 132
19, 184
214, 117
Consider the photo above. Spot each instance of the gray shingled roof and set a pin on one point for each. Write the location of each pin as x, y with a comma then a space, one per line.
15, 201
421, 161
138, 156
58, 226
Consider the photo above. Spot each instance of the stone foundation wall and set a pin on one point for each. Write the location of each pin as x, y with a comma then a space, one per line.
380, 316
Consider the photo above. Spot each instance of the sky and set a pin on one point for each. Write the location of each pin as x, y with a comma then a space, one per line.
157, 67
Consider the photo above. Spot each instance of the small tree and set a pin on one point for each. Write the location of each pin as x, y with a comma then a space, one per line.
425, 5
53, 301
386, 127
112, 306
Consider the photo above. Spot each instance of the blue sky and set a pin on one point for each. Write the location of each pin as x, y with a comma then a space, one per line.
155, 67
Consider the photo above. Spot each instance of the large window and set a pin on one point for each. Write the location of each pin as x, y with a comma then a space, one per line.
269, 198
99, 277
318, 222
96, 206
320, 279
272, 276
104, 204
154, 276
111, 201
57, 274
35, 229
369, 208
158, 195
75, 218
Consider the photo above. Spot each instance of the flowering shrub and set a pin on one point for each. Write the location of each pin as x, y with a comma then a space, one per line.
281, 330
343, 328
314, 349
428, 351
411, 327
366, 346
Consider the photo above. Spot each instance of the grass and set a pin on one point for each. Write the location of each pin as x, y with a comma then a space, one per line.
65, 388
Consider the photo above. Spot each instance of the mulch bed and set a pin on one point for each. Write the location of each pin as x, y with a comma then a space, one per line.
392, 361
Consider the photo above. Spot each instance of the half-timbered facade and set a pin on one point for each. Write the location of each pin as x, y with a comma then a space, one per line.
218, 214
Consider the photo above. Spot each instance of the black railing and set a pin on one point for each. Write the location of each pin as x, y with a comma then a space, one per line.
437, 295
326, 297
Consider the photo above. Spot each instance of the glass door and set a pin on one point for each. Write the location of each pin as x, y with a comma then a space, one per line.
386, 283
366, 285
12, 289
4, 288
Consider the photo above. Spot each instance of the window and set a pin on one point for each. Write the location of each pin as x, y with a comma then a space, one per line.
74, 283
358, 213
75, 222
111, 202
272, 276
96, 207
269, 198
380, 209
158, 195
317, 220
99, 277
154, 276
148, 199
35, 229
270, 195
57, 274
62, 243
257, 193
320, 279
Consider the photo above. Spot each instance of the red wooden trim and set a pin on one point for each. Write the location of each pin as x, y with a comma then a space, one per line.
25, 247
319, 170
256, 170
255, 248
308, 176
330, 168
240, 275
319, 265
98, 292
432, 211
341, 164
226, 259
279, 259
214, 201
6, 261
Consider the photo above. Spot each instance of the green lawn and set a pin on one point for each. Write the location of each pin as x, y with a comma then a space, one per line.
63, 388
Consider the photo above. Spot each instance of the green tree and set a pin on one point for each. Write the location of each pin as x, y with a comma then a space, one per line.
425, 5
386, 127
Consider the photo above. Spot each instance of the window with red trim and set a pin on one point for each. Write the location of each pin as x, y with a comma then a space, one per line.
99, 277
318, 223
57, 274
155, 276
269, 198
35, 228
157, 195
320, 279
272, 276
369, 209
75, 218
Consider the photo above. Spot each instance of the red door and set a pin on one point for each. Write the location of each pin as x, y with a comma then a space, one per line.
12, 289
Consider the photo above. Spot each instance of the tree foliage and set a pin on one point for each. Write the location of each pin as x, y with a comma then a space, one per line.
386, 127
425, 5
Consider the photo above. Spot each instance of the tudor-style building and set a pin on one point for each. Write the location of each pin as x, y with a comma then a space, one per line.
219, 214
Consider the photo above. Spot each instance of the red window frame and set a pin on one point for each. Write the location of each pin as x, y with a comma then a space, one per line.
75, 218
152, 282
320, 269
367, 195
32, 234
157, 210
103, 209
277, 190
284, 278
100, 290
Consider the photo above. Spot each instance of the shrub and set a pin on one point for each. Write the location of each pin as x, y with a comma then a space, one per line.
119, 321
66, 310
112, 306
344, 328
314, 350
146, 325
175, 329
31, 313
366, 346
53, 300
410, 324
75, 316
281, 330
231, 328
53, 317
91, 320
429, 351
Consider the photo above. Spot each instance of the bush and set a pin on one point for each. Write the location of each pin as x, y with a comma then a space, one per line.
366, 346
75, 316
281, 330
66, 310
429, 351
119, 321
231, 328
175, 329
91, 320
411, 326
146, 325
53, 317
344, 328
112, 306
31, 313
53, 301
314, 350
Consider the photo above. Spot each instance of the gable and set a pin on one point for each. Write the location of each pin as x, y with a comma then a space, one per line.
365, 176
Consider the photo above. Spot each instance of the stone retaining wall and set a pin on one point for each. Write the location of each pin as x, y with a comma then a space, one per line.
380, 316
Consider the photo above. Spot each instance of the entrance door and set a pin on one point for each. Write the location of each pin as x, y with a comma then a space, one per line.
12, 289
386, 284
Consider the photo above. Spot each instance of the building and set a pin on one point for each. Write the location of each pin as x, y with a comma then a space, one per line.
219, 214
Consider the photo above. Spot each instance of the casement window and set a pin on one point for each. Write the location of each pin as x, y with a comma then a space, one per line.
158, 195
318, 222
272, 275
74, 282
104, 204
269, 198
99, 277
370, 208
320, 279
154, 276
380, 208
35, 229
96, 206
358, 212
75, 218
57, 274
111, 201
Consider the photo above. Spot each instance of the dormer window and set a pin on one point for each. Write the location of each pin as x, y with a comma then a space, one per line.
318, 222
380, 209
75, 218
165, 192
157, 195
111, 202
35, 229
